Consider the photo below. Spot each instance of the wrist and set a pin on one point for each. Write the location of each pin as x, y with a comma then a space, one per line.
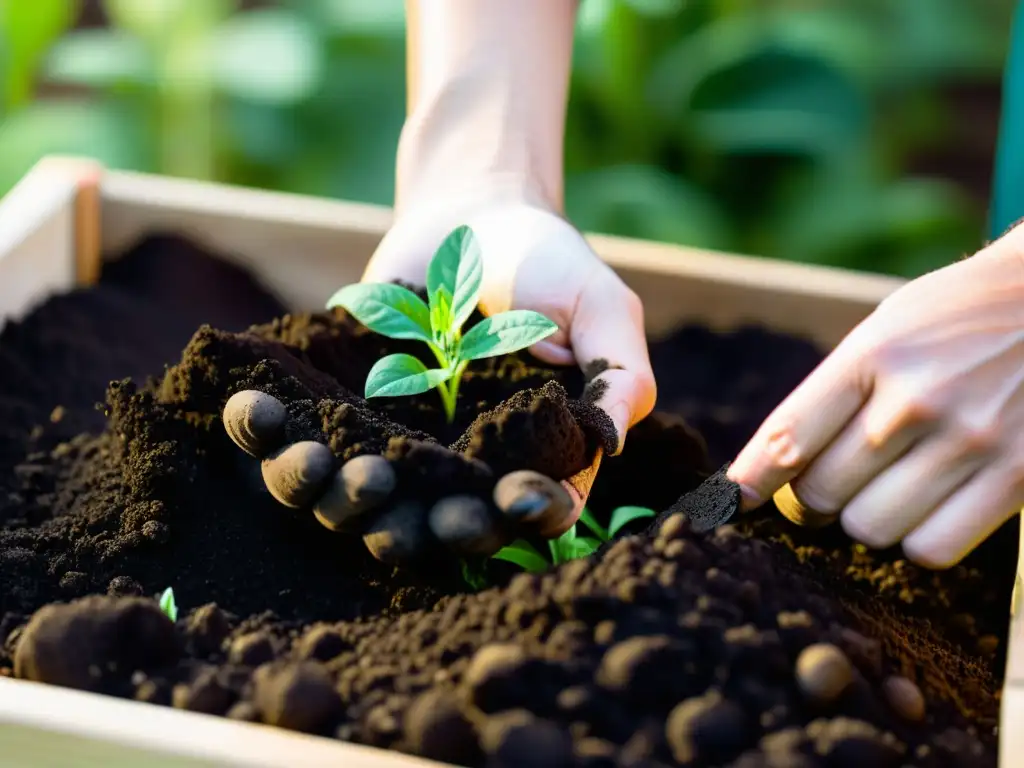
488, 85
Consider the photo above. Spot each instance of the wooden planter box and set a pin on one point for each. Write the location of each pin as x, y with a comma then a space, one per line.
68, 215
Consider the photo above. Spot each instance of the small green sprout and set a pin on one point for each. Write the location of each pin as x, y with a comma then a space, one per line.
454, 277
570, 546
167, 604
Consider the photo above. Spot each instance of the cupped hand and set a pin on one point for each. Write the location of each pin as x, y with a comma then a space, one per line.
912, 430
534, 259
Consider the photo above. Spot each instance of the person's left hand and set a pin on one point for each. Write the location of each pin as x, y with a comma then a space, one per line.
912, 430
534, 259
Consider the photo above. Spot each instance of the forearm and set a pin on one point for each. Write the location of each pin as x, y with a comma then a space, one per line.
487, 88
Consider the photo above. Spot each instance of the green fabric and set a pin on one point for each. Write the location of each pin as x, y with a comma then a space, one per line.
1008, 189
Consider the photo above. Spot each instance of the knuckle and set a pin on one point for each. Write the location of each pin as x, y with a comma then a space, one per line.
917, 411
1014, 463
782, 449
976, 438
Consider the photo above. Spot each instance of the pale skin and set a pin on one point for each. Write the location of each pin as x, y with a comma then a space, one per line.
911, 431
482, 146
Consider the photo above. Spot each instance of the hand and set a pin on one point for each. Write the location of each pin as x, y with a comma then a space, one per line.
534, 259
912, 430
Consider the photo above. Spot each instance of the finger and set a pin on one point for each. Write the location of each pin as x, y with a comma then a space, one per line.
902, 497
535, 503
968, 517
362, 485
255, 422
801, 426
298, 474
847, 464
578, 486
399, 535
467, 525
609, 326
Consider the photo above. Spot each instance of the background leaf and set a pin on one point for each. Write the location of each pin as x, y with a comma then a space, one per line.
504, 333
523, 554
100, 58
385, 308
728, 124
584, 546
269, 56
402, 375
28, 28
625, 515
587, 518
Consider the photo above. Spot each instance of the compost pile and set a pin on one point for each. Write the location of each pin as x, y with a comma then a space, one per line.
755, 644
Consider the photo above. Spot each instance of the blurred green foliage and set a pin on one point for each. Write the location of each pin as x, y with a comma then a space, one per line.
783, 128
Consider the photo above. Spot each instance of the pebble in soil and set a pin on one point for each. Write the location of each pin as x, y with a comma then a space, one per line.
159, 498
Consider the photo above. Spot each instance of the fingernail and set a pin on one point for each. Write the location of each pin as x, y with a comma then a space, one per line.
255, 422
297, 474
749, 498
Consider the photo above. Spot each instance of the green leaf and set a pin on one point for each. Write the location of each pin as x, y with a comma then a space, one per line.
523, 554
270, 56
440, 314
160, 20
625, 515
588, 520
648, 202
562, 548
584, 546
504, 333
398, 375
96, 129
458, 268
385, 308
474, 574
27, 29
99, 58
167, 604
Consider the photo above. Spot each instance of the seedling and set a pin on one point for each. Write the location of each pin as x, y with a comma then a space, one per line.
167, 604
454, 276
570, 546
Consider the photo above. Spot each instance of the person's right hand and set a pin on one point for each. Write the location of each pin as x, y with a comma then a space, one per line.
912, 430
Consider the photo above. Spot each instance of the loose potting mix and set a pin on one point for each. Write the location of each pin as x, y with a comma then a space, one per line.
141, 554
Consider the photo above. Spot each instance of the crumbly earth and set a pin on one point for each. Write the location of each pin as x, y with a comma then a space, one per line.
668, 647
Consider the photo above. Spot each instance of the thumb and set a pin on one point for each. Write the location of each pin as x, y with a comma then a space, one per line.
403, 254
608, 339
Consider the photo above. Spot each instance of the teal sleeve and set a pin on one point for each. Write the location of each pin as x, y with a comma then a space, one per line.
1008, 187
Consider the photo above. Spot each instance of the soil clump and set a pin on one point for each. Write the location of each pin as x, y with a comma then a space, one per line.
753, 643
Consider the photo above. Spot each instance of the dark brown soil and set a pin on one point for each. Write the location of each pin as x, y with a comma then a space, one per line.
668, 647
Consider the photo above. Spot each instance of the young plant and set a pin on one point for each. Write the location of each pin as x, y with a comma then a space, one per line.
570, 546
621, 517
454, 276
167, 604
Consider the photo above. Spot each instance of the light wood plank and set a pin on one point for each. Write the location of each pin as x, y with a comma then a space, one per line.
44, 726
304, 248
37, 240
